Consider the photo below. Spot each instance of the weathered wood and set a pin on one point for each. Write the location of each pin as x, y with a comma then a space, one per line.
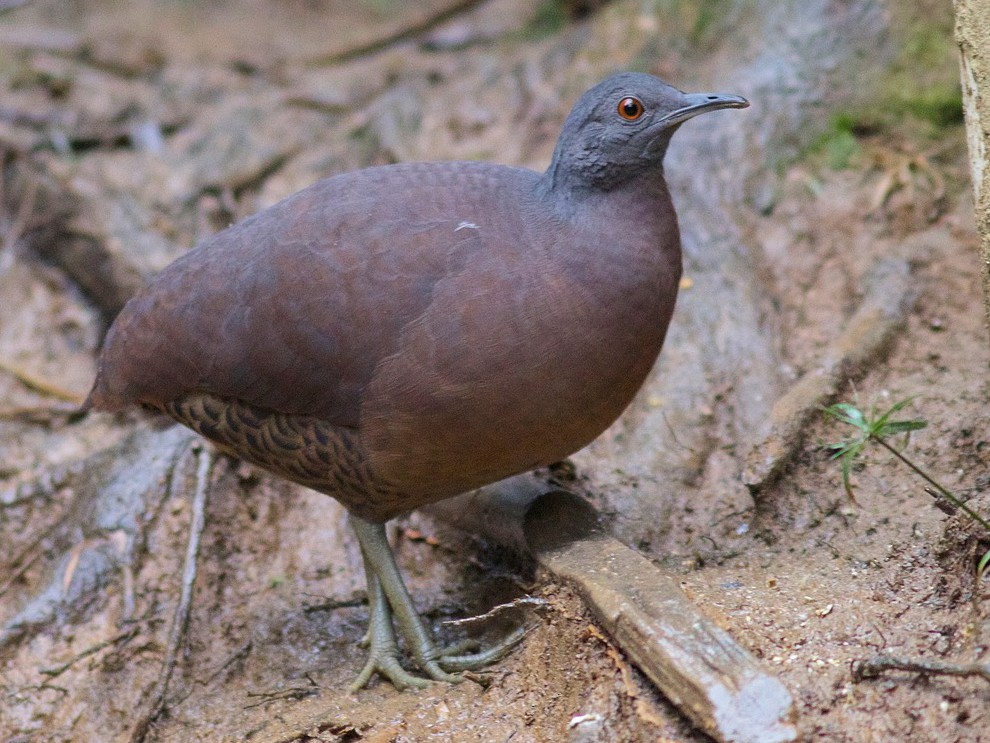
695, 663
973, 37
714, 681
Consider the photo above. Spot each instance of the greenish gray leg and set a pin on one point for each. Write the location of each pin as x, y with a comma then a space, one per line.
383, 652
384, 578
388, 597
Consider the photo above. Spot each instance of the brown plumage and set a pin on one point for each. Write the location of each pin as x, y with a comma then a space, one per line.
401, 334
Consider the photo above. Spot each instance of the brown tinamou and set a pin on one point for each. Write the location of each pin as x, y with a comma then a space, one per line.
401, 334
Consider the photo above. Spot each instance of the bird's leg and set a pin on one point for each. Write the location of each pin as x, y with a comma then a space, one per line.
383, 652
387, 596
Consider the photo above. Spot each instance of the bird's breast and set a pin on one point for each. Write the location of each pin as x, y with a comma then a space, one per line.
521, 361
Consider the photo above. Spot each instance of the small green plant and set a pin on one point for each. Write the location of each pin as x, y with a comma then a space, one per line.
549, 17
879, 427
839, 144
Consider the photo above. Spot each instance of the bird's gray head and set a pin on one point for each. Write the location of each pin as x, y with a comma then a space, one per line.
620, 129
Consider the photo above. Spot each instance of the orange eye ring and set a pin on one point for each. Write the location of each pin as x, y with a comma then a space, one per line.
631, 108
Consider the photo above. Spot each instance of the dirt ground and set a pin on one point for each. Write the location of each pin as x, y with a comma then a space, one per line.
130, 130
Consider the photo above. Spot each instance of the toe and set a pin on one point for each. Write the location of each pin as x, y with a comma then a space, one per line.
482, 658
387, 665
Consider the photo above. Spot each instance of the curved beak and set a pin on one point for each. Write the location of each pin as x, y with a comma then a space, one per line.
699, 103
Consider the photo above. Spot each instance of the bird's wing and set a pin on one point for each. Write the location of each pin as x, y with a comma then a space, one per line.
293, 309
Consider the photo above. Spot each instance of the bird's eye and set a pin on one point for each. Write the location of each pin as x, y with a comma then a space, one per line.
630, 108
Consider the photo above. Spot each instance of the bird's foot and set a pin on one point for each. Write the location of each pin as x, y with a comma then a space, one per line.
389, 601
383, 659
387, 665
455, 659
437, 664
383, 652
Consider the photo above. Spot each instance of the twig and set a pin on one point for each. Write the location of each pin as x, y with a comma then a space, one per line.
333, 604
181, 617
57, 671
874, 667
43, 415
44, 686
495, 610
38, 384
941, 503
292, 692
240, 654
402, 34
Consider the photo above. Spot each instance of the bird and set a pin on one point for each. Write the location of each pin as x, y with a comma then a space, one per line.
404, 333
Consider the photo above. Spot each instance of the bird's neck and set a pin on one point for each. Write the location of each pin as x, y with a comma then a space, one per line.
571, 192
580, 170
639, 210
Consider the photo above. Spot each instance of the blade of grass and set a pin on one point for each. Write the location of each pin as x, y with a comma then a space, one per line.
943, 491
